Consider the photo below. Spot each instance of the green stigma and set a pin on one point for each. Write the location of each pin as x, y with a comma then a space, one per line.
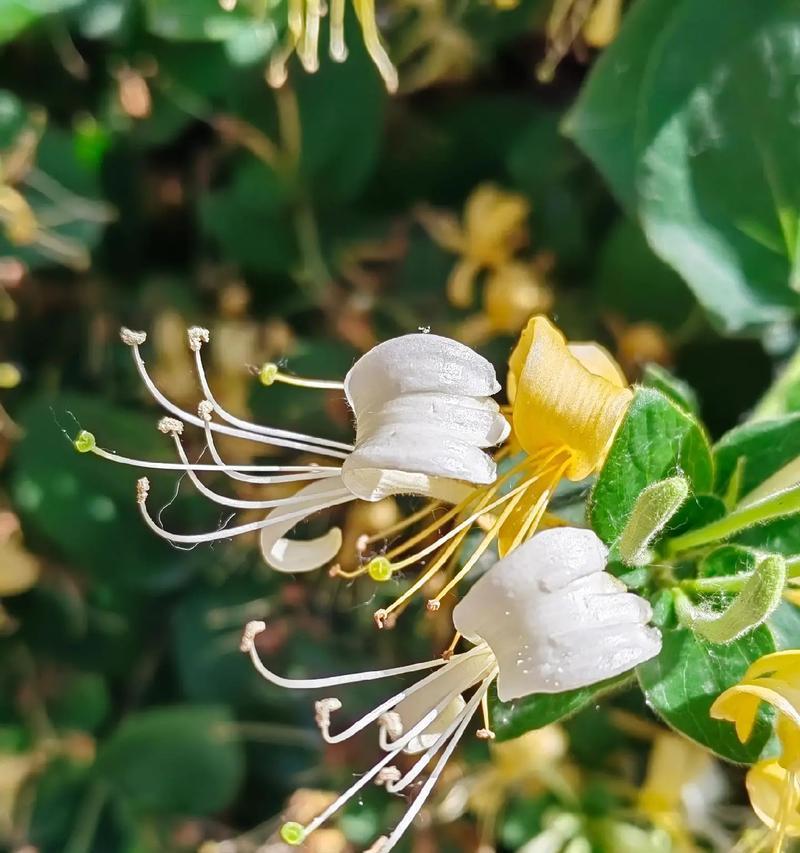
292, 833
268, 373
84, 442
379, 569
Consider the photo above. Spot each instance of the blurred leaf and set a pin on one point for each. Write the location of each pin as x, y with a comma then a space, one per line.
180, 760
765, 446
685, 679
656, 440
688, 96
84, 704
196, 20
17, 15
512, 719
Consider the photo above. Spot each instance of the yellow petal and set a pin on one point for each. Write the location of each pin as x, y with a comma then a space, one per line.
767, 785
558, 402
740, 703
674, 763
739, 708
513, 292
19, 571
443, 229
603, 24
461, 284
495, 224
598, 360
784, 665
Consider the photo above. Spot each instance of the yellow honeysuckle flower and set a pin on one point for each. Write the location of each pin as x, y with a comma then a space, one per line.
567, 398
303, 39
773, 784
493, 229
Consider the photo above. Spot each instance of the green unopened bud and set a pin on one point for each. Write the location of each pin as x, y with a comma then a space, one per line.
267, 374
379, 569
760, 595
84, 442
654, 507
293, 833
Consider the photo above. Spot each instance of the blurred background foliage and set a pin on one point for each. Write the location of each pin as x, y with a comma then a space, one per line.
645, 195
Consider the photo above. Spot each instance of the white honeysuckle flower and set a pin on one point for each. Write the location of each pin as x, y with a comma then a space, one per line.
424, 419
545, 619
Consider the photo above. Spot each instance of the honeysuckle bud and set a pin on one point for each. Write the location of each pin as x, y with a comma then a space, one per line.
424, 418
546, 618
654, 507
756, 601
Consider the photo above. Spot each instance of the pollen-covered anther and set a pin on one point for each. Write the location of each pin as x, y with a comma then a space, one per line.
433, 604
384, 619
268, 373
170, 426
204, 409
292, 833
142, 489
485, 734
84, 442
388, 774
323, 710
197, 337
251, 631
379, 569
131, 338
392, 724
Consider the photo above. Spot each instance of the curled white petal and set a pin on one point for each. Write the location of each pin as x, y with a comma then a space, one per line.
417, 363
554, 619
293, 555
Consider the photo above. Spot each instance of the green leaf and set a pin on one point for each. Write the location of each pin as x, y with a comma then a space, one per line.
656, 440
182, 760
680, 392
727, 560
18, 15
513, 719
766, 446
783, 396
686, 114
196, 20
684, 680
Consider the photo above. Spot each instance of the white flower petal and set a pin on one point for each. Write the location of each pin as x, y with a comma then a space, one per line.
417, 363
554, 619
416, 450
290, 555
472, 420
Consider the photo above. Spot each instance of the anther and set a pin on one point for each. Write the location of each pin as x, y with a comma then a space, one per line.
379, 569
324, 708
392, 724
293, 833
204, 409
131, 338
381, 618
142, 490
197, 337
485, 734
433, 604
334, 570
268, 373
84, 442
170, 426
388, 774
251, 631
361, 543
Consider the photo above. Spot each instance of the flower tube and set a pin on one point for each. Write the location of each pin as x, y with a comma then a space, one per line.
545, 619
424, 419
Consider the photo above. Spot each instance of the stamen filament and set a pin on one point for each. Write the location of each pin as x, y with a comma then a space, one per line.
253, 629
236, 503
337, 48
226, 532
257, 428
365, 11
430, 782
269, 373
194, 420
403, 523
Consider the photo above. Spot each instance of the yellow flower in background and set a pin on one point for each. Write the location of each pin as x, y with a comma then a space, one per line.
773, 784
566, 398
594, 23
493, 229
303, 39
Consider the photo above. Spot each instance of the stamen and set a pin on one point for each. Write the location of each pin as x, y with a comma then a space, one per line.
296, 20
142, 489
199, 336
220, 428
387, 776
401, 525
309, 48
84, 442
338, 49
379, 569
486, 732
365, 11
292, 833
447, 654
252, 630
235, 503
270, 373
430, 782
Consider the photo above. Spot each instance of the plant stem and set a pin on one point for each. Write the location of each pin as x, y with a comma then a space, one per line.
89, 813
771, 507
734, 583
